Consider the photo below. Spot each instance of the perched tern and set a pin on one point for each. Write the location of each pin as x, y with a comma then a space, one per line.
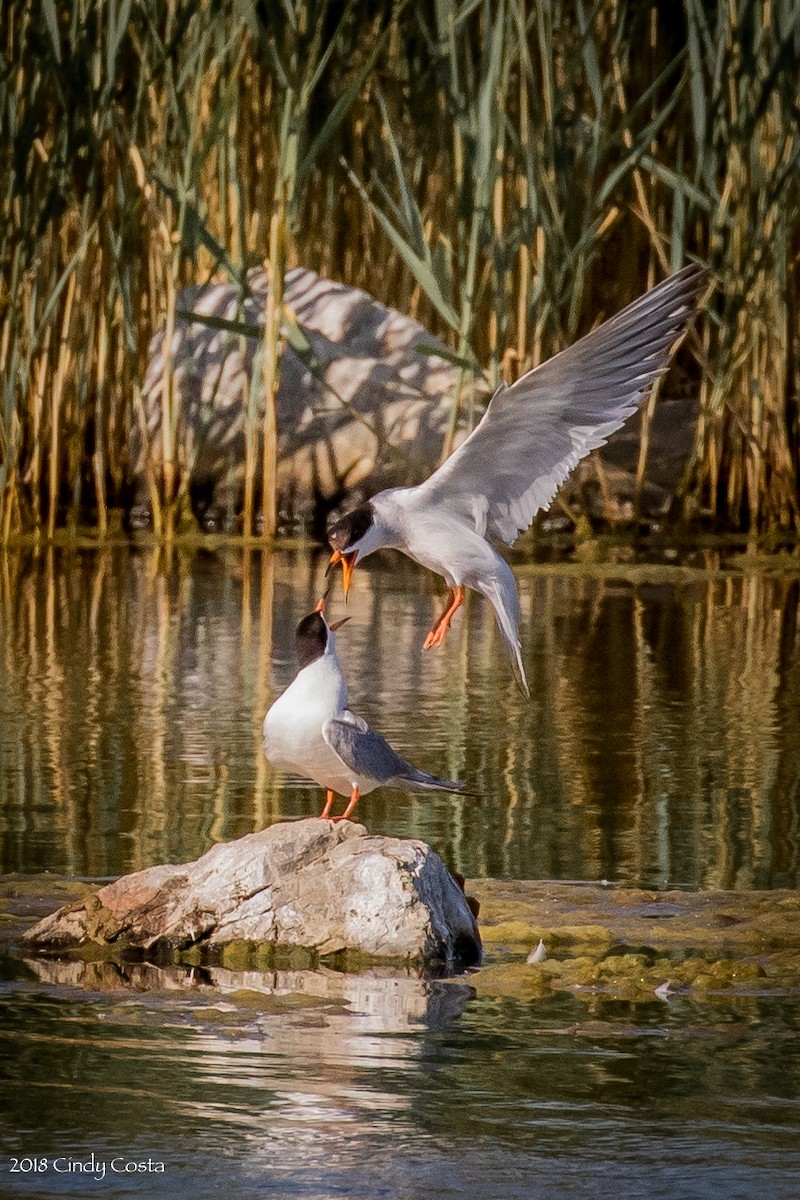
529, 439
310, 729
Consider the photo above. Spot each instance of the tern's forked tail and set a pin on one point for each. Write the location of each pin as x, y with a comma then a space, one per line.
422, 780
501, 592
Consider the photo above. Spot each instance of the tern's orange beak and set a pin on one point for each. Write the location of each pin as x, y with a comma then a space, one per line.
348, 562
338, 624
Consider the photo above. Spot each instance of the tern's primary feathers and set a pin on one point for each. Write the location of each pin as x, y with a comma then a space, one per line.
511, 466
310, 729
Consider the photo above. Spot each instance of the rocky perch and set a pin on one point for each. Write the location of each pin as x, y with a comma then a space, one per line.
318, 886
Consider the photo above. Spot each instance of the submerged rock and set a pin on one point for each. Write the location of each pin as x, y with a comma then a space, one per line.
317, 885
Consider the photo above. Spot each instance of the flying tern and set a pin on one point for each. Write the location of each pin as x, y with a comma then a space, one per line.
531, 436
310, 730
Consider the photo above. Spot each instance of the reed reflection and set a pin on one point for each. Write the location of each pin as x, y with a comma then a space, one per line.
661, 746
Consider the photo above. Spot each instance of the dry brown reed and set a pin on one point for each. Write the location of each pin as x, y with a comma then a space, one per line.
508, 171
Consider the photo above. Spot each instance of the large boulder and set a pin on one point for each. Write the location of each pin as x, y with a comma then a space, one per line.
321, 885
373, 412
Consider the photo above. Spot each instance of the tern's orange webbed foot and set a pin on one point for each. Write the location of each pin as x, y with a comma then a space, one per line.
351, 805
430, 640
436, 636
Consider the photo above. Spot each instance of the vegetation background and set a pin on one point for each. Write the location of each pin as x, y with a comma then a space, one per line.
508, 171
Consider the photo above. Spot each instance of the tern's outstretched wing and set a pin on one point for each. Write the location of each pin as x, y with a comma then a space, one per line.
534, 432
370, 756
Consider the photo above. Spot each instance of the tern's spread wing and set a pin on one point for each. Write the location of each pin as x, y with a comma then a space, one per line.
370, 756
536, 431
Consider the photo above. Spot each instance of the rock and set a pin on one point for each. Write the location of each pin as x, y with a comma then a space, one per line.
320, 885
373, 413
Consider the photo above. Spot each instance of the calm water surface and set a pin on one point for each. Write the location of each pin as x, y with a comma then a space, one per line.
661, 748
396, 1088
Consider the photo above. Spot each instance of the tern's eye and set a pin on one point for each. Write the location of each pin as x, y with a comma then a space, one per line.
339, 537
351, 527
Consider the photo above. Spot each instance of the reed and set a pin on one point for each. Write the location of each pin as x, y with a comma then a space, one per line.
576, 153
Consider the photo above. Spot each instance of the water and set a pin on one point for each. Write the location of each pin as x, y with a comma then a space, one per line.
660, 749
414, 1090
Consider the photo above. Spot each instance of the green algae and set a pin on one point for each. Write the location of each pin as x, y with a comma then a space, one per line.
630, 944
257, 956
248, 1000
48, 890
633, 977
520, 933
617, 942
26, 899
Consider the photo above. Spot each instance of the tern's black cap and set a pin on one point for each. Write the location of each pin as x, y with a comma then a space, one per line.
351, 527
311, 637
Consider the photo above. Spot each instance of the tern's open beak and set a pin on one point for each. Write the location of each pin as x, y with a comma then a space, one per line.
348, 562
320, 608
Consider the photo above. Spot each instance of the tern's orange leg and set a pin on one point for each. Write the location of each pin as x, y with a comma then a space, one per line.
430, 640
353, 802
328, 802
455, 598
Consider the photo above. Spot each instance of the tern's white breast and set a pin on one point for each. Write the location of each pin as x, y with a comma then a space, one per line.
293, 726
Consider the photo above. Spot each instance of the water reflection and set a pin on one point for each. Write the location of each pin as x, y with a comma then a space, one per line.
326, 1024
661, 747
316, 1085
